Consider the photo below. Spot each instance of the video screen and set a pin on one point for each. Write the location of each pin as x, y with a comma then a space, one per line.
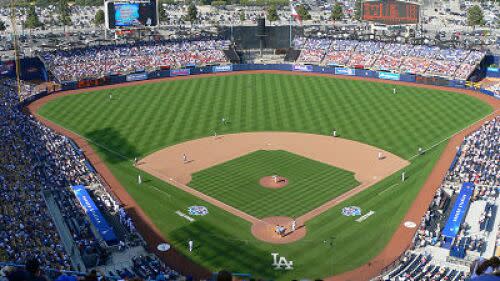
132, 14
127, 14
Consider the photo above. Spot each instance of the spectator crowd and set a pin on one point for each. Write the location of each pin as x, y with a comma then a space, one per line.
99, 61
477, 162
36, 164
394, 57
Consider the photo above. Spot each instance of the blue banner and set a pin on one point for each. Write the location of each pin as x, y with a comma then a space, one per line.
344, 71
388, 76
222, 68
94, 214
459, 210
306, 68
180, 72
137, 77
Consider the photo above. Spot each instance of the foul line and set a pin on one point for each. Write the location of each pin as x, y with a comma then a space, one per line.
394, 185
452, 135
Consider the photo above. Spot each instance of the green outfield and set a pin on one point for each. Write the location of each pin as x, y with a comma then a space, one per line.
236, 183
144, 118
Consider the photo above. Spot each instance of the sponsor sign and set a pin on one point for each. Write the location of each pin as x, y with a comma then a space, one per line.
306, 68
198, 211
344, 71
388, 76
137, 77
180, 72
222, 68
351, 211
94, 214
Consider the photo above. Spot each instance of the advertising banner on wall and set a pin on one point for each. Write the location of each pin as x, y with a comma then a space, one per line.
344, 71
222, 68
306, 68
137, 77
388, 76
180, 72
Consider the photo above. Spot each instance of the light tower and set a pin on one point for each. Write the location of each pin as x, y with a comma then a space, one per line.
16, 46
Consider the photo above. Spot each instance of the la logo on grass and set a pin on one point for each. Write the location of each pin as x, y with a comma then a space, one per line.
281, 262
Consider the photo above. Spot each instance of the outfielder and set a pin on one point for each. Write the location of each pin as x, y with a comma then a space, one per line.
139, 179
394, 90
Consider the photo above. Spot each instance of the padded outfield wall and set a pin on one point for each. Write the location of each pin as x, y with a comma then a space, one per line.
331, 70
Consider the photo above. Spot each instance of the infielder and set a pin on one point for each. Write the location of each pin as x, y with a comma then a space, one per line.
190, 245
294, 224
334, 133
184, 158
139, 179
380, 156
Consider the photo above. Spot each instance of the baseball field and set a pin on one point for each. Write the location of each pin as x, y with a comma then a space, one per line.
159, 122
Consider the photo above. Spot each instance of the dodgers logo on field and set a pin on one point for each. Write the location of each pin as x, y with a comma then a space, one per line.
198, 210
280, 262
351, 211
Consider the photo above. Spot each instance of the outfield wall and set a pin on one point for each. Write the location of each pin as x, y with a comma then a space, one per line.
331, 70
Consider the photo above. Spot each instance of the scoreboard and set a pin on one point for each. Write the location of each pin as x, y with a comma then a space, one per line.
131, 13
390, 12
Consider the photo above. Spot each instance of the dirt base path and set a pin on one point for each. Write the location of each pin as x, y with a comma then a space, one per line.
398, 243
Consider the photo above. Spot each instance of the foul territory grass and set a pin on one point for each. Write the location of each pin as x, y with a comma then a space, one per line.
142, 119
310, 183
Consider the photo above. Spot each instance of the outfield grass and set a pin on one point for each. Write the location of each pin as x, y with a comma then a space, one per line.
310, 183
143, 119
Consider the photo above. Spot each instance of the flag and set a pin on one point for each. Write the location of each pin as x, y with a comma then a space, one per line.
295, 15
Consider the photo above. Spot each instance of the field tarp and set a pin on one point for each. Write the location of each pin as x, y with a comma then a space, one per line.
459, 211
96, 218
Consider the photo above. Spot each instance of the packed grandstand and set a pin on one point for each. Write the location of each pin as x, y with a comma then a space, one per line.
95, 62
38, 166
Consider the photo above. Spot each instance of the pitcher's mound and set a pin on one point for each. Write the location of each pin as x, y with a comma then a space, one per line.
273, 182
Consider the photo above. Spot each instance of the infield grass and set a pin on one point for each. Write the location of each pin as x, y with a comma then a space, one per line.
310, 183
142, 119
